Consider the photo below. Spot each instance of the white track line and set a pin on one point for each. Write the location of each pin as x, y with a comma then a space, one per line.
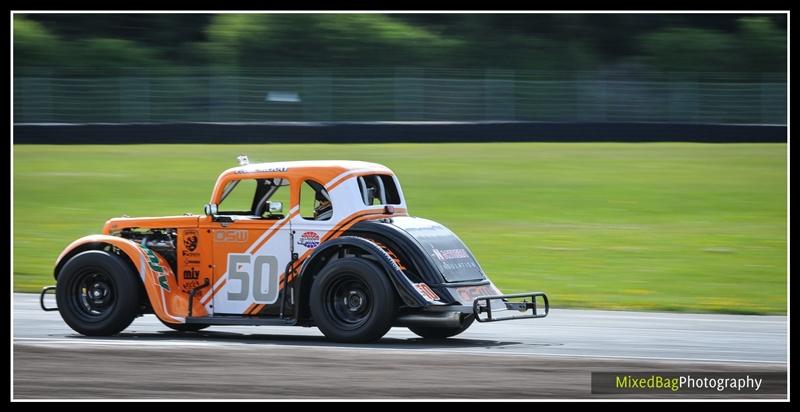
106, 342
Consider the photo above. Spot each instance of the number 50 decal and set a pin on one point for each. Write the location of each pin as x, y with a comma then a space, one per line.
263, 290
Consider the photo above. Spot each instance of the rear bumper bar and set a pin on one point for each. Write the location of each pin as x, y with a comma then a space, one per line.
503, 309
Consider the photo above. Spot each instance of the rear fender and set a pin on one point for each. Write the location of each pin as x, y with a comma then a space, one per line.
405, 288
160, 283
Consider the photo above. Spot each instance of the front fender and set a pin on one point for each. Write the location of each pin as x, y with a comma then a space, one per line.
160, 283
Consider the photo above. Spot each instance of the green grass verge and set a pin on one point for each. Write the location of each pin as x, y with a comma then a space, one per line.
663, 226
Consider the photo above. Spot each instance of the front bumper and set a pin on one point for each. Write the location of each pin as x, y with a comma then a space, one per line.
41, 298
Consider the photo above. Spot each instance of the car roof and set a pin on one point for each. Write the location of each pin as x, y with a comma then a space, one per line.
328, 173
309, 167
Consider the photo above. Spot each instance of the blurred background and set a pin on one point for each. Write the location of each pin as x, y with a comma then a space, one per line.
691, 68
649, 226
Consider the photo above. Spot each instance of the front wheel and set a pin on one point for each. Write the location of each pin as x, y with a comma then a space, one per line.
97, 293
352, 300
442, 333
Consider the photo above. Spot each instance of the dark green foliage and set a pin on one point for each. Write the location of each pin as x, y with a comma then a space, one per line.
674, 43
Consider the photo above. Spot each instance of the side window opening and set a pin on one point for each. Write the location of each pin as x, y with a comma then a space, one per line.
270, 193
392, 195
378, 190
315, 202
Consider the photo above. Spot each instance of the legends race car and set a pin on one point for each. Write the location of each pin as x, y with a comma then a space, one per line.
345, 257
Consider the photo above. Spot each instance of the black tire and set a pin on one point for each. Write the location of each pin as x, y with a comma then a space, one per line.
352, 300
186, 327
97, 293
442, 333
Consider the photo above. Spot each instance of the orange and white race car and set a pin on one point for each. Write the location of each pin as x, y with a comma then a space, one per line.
309, 243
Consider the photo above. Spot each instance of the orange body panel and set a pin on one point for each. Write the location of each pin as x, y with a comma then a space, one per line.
120, 223
159, 281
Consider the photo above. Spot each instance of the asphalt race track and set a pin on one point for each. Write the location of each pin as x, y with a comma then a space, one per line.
543, 358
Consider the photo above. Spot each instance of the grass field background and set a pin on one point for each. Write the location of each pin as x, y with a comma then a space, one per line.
661, 226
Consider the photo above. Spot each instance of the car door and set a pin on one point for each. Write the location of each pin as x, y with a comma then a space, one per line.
315, 218
250, 252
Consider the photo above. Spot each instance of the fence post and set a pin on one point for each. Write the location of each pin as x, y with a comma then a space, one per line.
579, 87
35, 93
763, 99
603, 98
498, 95
409, 94
694, 97
223, 96
673, 92
134, 99
316, 96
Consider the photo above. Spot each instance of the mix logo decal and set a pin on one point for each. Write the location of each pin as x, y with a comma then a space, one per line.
191, 273
152, 261
190, 240
309, 240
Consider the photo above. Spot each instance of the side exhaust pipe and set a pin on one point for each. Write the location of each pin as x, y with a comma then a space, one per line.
432, 319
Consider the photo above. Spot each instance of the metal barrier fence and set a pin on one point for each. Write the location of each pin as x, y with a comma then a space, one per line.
405, 95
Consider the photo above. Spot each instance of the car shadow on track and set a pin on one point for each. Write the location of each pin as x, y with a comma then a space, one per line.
304, 340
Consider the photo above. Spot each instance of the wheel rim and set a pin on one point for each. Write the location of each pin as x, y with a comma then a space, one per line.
348, 302
92, 294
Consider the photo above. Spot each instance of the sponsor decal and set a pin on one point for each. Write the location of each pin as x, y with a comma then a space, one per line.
262, 170
191, 273
187, 253
448, 254
426, 292
309, 240
187, 262
190, 240
152, 261
234, 236
469, 293
188, 285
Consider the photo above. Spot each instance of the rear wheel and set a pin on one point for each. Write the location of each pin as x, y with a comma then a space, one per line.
352, 300
97, 293
442, 333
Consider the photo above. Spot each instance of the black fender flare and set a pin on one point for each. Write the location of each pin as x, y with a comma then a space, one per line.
404, 287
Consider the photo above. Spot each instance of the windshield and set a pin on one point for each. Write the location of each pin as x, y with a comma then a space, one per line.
253, 196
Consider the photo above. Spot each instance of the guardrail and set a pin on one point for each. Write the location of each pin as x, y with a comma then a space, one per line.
385, 132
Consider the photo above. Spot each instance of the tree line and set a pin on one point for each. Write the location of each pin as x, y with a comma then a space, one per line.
748, 45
